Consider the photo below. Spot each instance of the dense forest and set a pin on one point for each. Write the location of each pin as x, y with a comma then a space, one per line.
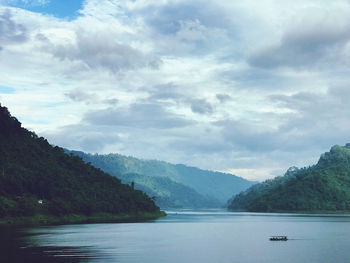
172, 185
321, 187
37, 178
169, 194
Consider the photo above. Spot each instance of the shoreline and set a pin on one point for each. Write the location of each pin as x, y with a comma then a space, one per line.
293, 212
45, 220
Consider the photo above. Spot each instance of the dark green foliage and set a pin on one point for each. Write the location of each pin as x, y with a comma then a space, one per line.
212, 188
322, 187
32, 170
7, 206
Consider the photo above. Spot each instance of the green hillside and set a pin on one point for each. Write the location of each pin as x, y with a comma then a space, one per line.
322, 187
169, 194
209, 189
37, 178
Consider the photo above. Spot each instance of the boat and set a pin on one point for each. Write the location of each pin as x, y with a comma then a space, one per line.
278, 238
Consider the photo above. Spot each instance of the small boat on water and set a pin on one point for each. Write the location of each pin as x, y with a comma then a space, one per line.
278, 238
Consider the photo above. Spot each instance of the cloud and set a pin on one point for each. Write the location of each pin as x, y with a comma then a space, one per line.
10, 31
79, 95
137, 116
313, 40
99, 50
112, 101
201, 106
167, 91
249, 136
83, 137
191, 30
251, 86
316, 120
182, 28
223, 97
207, 143
307, 121
88, 98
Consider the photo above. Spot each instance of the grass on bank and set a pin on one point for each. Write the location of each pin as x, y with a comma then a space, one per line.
43, 219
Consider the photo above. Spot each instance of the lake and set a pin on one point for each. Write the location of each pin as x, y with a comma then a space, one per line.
186, 236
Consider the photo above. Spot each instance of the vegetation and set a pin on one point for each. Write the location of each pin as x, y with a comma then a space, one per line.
37, 178
172, 185
322, 187
169, 194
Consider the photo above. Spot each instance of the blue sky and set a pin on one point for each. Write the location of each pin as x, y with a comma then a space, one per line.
252, 86
6, 90
59, 8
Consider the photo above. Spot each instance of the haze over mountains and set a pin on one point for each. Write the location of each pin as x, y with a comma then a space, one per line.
39, 179
33, 170
321, 187
173, 185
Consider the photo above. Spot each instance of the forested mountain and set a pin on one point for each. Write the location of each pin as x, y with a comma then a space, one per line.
169, 194
36, 177
213, 188
322, 187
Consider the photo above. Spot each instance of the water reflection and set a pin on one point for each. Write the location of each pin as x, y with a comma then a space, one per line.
186, 236
16, 247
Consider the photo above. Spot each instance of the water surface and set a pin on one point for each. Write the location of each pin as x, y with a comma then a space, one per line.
187, 236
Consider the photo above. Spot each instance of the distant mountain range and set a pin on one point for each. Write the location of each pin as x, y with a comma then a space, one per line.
40, 181
321, 187
172, 185
168, 193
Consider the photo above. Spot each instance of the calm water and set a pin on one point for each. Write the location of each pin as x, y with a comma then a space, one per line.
186, 236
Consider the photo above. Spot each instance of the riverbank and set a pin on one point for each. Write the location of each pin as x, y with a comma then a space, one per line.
43, 219
311, 212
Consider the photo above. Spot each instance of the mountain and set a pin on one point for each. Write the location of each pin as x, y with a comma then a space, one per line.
37, 178
321, 187
183, 185
169, 194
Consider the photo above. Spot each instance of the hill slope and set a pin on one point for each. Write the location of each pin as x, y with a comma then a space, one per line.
169, 194
166, 192
322, 187
36, 177
210, 185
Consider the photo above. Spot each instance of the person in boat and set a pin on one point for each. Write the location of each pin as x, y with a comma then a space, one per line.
278, 238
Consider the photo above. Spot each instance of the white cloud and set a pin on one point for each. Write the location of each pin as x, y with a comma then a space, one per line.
238, 83
10, 31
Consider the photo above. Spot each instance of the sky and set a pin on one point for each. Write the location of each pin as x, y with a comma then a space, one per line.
247, 87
